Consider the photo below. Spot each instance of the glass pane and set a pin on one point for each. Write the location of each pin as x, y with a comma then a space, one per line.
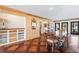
64, 28
74, 27
57, 26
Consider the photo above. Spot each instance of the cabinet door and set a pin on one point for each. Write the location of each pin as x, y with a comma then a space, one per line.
13, 35
20, 34
3, 37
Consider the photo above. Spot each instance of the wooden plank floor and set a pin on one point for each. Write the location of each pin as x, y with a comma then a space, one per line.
33, 46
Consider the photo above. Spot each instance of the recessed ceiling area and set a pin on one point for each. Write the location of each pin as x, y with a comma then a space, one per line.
54, 12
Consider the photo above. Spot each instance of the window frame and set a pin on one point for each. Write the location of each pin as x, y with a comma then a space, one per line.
77, 33
63, 24
56, 27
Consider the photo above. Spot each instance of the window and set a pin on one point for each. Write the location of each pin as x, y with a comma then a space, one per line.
57, 26
65, 27
75, 27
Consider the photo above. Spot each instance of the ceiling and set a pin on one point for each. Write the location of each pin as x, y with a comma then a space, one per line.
54, 12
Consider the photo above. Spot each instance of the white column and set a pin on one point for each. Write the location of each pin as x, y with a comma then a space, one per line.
60, 29
24, 34
53, 26
69, 28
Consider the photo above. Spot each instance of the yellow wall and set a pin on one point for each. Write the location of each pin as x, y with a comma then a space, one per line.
30, 33
35, 33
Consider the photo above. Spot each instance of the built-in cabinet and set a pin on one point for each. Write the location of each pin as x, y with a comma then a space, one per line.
11, 36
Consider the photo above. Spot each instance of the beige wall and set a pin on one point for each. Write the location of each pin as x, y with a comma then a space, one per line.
34, 33
30, 33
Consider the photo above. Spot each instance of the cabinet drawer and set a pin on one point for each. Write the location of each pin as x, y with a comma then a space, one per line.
13, 35
21, 38
3, 40
3, 35
13, 39
3, 32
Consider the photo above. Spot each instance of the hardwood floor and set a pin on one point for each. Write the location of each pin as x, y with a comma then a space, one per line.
35, 46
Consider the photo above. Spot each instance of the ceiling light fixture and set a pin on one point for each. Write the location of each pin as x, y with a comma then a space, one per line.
51, 9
